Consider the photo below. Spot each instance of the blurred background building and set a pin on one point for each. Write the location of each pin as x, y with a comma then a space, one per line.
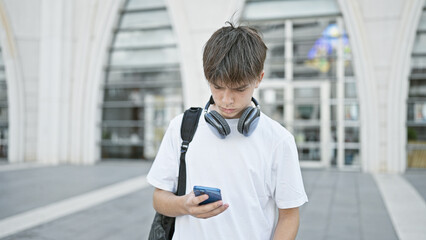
95, 80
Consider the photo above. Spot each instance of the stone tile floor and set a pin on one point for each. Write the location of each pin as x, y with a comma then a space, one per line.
342, 204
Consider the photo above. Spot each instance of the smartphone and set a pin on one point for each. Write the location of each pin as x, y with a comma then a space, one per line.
214, 194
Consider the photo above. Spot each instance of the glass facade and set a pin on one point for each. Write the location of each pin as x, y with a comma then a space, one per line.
309, 84
143, 89
416, 103
4, 118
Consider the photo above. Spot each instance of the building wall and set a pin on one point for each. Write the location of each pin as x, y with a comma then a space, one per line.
55, 51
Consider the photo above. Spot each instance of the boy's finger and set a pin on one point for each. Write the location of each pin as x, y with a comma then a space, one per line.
214, 212
210, 207
200, 199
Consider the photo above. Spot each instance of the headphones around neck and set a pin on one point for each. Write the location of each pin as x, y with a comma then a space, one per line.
246, 124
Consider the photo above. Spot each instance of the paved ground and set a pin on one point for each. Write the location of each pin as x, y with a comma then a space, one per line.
417, 178
342, 205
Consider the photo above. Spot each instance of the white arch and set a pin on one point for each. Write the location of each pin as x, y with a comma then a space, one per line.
398, 85
15, 86
367, 87
94, 38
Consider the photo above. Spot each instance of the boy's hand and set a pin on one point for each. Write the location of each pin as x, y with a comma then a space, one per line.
192, 207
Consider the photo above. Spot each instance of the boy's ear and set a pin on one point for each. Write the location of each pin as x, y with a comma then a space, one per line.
260, 79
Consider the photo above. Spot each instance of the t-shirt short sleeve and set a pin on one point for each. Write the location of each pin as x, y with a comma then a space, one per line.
287, 182
164, 171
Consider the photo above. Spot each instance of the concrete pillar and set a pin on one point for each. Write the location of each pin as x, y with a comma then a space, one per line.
54, 81
20, 39
15, 84
93, 32
55, 53
381, 34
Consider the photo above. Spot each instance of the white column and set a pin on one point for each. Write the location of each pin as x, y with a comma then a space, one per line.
399, 84
340, 97
15, 85
53, 91
21, 25
366, 83
94, 21
289, 88
382, 43
325, 123
66, 73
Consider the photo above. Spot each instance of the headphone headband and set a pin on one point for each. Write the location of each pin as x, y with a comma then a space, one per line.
211, 101
246, 124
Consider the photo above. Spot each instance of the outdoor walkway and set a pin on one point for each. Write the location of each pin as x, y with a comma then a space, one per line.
112, 200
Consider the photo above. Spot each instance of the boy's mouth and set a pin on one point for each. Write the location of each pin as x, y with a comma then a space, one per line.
227, 110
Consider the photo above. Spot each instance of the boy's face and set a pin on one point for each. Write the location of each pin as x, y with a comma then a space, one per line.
230, 101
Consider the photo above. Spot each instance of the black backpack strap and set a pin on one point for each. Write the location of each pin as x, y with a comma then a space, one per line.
187, 131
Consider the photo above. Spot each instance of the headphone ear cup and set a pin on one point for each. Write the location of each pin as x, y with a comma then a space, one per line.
218, 122
247, 119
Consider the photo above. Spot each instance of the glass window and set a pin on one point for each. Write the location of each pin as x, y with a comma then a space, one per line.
333, 114
417, 90
307, 134
146, 57
416, 111
142, 4
272, 10
416, 103
352, 157
114, 151
349, 70
145, 19
272, 100
4, 115
351, 112
305, 47
422, 23
273, 36
135, 75
3, 91
307, 93
4, 112
274, 68
315, 44
142, 90
307, 112
143, 38
350, 90
308, 29
272, 32
3, 141
352, 134
309, 154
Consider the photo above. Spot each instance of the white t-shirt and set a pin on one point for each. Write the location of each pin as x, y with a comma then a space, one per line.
256, 175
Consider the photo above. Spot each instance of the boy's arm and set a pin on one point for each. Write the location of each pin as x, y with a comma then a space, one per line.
288, 224
171, 205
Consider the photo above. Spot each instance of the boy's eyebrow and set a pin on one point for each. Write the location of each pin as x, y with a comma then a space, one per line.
241, 87
235, 88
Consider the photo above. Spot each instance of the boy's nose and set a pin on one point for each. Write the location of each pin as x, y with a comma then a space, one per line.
228, 97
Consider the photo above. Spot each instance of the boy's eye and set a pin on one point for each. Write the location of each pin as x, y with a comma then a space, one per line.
217, 87
241, 89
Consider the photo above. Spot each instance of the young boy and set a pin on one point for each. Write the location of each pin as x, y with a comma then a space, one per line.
243, 152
